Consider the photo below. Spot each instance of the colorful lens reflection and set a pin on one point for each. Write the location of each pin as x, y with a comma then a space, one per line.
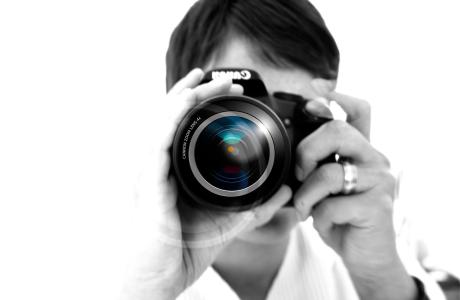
232, 153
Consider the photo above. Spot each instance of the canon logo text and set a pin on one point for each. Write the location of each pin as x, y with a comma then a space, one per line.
237, 75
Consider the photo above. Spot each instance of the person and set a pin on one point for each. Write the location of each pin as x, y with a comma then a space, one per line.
333, 243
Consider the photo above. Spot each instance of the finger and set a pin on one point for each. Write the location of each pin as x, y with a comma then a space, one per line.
156, 199
236, 89
334, 137
358, 111
191, 80
360, 210
219, 86
174, 109
227, 225
182, 101
263, 213
155, 193
319, 107
328, 180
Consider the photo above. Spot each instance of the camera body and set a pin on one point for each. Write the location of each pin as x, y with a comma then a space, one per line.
234, 152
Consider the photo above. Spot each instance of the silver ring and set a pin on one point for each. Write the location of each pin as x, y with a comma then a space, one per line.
350, 177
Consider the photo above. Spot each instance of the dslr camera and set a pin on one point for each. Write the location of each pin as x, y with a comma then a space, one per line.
234, 152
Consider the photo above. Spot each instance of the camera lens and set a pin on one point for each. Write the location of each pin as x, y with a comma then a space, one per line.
232, 154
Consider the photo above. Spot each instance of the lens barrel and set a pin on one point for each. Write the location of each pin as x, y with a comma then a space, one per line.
231, 153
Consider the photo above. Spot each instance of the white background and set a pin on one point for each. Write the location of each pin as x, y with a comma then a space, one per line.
81, 85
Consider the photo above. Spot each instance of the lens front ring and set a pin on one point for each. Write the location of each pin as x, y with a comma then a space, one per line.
225, 192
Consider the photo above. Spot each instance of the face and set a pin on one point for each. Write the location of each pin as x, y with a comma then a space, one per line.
238, 53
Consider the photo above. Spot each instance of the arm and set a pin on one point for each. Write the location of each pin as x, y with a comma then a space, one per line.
173, 242
358, 226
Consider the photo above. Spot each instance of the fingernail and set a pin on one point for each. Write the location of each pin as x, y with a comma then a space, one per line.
196, 72
323, 101
318, 107
236, 89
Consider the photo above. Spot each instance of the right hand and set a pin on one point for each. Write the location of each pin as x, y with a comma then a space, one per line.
175, 243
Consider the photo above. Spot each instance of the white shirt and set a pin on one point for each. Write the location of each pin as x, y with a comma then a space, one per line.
310, 270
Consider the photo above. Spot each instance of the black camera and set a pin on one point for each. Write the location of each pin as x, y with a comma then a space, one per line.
234, 152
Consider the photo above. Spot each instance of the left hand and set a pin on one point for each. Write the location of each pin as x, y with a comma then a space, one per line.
358, 226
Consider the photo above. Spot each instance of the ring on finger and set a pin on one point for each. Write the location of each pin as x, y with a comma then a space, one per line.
350, 177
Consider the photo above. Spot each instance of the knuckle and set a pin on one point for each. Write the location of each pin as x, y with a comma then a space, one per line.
386, 205
299, 204
337, 127
365, 107
302, 207
260, 216
383, 160
386, 180
381, 205
257, 214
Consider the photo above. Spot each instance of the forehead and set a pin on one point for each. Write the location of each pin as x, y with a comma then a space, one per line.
239, 53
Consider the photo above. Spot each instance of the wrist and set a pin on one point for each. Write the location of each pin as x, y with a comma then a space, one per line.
385, 282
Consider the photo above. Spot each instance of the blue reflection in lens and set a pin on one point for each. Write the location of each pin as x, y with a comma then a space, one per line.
232, 168
231, 137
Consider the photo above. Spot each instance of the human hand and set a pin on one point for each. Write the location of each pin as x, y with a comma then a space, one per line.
358, 226
175, 242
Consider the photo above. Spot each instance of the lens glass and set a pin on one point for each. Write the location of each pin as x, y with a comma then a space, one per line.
232, 153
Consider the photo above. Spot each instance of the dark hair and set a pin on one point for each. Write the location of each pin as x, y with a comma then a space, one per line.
284, 32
